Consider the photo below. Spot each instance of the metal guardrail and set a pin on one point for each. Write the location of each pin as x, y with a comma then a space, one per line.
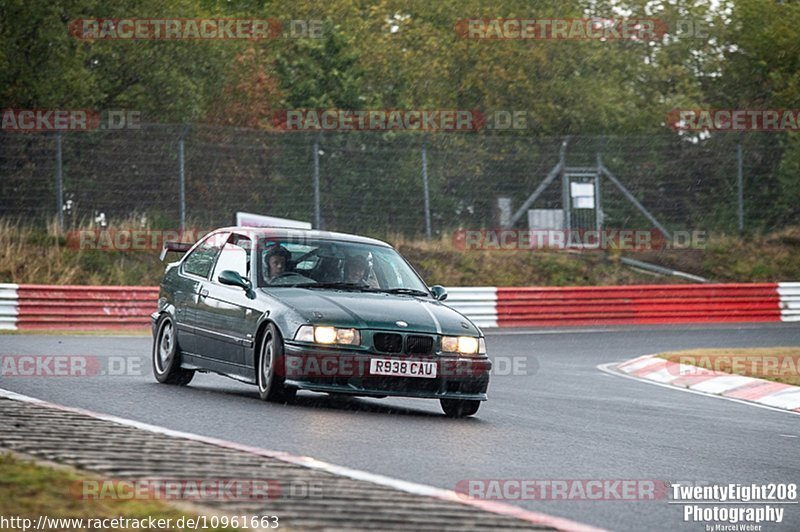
790, 301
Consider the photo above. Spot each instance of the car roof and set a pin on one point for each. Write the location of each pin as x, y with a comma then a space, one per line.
290, 233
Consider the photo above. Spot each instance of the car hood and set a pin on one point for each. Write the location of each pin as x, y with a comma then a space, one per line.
368, 310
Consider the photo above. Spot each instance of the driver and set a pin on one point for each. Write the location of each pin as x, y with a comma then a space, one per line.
276, 258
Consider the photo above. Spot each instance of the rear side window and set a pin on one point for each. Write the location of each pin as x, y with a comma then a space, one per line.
201, 260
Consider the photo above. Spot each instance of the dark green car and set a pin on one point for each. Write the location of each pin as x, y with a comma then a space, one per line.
289, 309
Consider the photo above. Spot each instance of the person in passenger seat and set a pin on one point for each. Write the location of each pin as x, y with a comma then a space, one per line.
356, 270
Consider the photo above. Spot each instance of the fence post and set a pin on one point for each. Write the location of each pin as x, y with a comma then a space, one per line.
425, 189
740, 184
598, 189
182, 176
317, 210
565, 187
59, 183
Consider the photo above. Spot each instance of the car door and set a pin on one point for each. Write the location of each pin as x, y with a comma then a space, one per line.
194, 273
226, 315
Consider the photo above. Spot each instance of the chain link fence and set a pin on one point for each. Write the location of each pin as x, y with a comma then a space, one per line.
374, 183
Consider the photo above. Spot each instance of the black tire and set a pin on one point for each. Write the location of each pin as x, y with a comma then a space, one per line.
459, 407
269, 365
167, 355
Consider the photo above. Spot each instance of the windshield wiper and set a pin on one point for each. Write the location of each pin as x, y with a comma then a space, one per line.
363, 287
340, 285
405, 291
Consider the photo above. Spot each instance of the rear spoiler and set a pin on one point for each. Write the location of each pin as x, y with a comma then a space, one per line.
181, 247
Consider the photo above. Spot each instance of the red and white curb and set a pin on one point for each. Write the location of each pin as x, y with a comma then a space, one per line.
759, 392
495, 507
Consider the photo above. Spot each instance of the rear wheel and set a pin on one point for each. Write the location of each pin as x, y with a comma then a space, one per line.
459, 407
269, 371
166, 356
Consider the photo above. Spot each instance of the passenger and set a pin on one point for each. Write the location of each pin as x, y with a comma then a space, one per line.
356, 270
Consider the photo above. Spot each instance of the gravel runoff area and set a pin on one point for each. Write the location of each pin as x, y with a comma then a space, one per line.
309, 498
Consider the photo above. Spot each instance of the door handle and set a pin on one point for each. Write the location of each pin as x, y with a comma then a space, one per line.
203, 292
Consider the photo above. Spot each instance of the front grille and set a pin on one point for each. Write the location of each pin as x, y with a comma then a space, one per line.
388, 342
419, 345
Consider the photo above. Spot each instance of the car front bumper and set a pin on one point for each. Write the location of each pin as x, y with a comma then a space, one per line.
348, 372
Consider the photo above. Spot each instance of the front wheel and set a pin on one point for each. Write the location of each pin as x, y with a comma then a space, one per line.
459, 407
270, 381
166, 356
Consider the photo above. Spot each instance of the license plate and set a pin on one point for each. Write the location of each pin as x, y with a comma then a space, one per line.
402, 368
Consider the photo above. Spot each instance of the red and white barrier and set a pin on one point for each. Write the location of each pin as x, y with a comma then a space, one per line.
31, 307
110, 307
479, 303
9, 306
790, 301
635, 304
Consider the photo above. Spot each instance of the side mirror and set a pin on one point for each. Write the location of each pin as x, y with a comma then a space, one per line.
439, 292
233, 278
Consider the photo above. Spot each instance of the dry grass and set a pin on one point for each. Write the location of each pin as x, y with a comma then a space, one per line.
29, 490
40, 256
730, 258
779, 364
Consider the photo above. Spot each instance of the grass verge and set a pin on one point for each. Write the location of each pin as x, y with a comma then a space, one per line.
777, 364
29, 490
39, 255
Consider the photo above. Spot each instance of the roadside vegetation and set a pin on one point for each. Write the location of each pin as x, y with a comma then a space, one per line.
41, 256
778, 364
29, 490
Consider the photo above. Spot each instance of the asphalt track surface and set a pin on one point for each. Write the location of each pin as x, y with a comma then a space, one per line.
559, 418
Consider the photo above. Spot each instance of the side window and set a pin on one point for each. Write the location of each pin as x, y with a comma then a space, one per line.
234, 256
200, 261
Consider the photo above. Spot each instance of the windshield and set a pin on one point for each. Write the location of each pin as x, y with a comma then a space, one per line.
336, 265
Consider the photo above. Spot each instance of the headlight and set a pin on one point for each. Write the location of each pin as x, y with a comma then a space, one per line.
327, 335
464, 345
